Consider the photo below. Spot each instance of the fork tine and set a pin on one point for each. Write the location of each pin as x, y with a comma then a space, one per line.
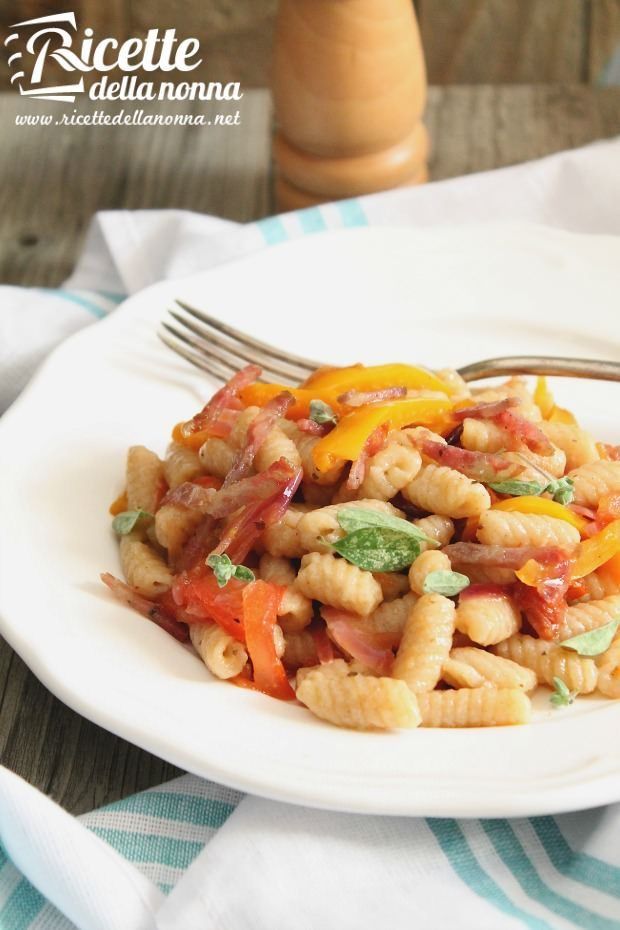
232, 353
306, 365
201, 361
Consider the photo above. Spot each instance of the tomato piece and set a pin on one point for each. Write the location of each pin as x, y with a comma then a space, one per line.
260, 606
199, 594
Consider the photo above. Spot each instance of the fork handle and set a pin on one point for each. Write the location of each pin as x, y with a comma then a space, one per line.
539, 365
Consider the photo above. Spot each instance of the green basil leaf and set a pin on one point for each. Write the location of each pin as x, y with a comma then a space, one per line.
378, 549
561, 696
562, 490
243, 573
321, 412
223, 568
445, 582
352, 519
517, 488
123, 523
594, 642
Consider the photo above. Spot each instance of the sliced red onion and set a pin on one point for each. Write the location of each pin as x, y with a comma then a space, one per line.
192, 496
223, 399
480, 466
258, 431
198, 546
314, 428
374, 443
464, 553
485, 411
149, 609
524, 431
368, 648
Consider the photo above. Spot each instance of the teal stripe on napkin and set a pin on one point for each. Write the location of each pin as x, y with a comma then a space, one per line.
458, 852
513, 855
587, 870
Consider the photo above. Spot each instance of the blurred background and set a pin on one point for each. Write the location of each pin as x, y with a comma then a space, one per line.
465, 41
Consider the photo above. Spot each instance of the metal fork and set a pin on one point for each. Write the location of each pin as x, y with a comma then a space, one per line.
221, 350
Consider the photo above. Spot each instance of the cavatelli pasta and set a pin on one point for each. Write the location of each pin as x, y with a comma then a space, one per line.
510, 528
181, 464
578, 445
549, 661
595, 480
217, 457
323, 577
145, 479
446, 491
319, 528
425, 643
609, 671
437, 527
276, 445
389, 471
359, 701
143, 568
459, 674
495, 671
581, 618
282, 538
224, 656
427, 562
174, 525
487, 619
474, 707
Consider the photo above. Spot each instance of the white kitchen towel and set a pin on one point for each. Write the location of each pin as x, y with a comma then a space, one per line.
193, 854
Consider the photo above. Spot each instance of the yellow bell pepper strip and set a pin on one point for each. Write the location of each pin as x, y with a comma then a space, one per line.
560, 415
597, 551
259, 394
543, 506
193, 440
543, 398
346, 441
609, 573
120, 505
375, 377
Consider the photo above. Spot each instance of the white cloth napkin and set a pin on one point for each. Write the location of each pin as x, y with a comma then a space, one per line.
192, 854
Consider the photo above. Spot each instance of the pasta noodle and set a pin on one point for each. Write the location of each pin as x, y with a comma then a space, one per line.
336, 582
595, 480
427, 562
143, 568
359, 701
144, 479
488, 620
495, 670
224, 656
181, 464
549, 661
426, 642
502, 528
448, 492
474, 707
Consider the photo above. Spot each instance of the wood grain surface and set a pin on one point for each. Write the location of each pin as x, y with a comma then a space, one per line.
54, 179
466, 41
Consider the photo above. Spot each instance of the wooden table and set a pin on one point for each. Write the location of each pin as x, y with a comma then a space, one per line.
54, 179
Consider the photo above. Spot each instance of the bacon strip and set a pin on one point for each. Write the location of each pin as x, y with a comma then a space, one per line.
227, 397
484, 590
258, 431
198, 546
315, 429
374, 443
355, 398
480, 466
524, 431
485, 411
463, 553
253, 504
149, 609
191, 496
368, 648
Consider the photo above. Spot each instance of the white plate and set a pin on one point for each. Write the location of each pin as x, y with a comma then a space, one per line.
440, 297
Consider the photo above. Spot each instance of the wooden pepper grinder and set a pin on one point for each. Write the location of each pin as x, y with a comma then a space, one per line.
349, 86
